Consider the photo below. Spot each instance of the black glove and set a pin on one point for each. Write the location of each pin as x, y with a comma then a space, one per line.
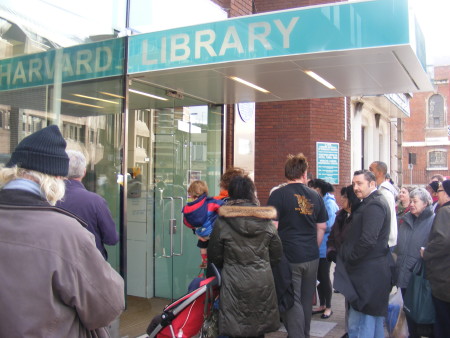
331, 256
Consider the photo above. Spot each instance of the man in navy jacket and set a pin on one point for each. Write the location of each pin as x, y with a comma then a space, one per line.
90, 207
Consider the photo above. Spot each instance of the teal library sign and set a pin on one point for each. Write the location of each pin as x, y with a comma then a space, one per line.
318, 29
328, 161
82, 62
341, 26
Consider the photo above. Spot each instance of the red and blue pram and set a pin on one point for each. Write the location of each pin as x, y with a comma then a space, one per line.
184, 317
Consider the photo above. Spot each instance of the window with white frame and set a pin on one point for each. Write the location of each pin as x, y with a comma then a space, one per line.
437, 159
436, 117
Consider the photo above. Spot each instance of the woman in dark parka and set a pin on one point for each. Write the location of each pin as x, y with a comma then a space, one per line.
245, 243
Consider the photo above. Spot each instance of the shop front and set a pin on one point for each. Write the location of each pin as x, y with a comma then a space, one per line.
149, 110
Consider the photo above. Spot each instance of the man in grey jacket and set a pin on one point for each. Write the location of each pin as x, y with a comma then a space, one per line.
54, 281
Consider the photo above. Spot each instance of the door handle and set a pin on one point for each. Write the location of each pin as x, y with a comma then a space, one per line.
170, 227
182, 227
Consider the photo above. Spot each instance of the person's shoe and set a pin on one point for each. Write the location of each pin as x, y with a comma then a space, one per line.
324, 316
315, 312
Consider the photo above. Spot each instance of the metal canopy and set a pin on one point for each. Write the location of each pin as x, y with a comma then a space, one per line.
372, 71
361, 48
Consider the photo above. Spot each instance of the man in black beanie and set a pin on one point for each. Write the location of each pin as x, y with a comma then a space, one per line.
54, 281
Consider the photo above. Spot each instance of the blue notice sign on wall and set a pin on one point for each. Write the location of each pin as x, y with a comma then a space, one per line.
328, 161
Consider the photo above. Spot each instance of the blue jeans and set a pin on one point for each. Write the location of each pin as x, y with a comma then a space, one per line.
361, 325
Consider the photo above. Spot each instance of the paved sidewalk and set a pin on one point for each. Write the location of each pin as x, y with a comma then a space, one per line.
320, 327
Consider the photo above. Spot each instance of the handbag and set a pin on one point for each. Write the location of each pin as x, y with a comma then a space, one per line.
418, 303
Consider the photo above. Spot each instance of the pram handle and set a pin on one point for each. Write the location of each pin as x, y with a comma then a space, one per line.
217, 274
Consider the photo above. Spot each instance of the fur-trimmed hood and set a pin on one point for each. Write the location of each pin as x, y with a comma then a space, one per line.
248, 211
247, 218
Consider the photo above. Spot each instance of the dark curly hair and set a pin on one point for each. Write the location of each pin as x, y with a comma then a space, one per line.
323, 185
242, 187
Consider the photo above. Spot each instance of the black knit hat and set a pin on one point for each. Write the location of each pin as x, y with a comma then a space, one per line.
434, 185
43, 151
446, 186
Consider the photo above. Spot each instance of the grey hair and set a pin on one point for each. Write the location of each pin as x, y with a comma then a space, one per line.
77, 164
52, 187
422, 194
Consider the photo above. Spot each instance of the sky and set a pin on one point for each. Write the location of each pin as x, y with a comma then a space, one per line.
433, 17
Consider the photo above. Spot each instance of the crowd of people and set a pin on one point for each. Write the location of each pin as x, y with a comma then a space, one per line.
375, 239
272, 258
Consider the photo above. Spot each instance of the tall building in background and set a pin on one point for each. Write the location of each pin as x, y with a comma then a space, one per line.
426, 142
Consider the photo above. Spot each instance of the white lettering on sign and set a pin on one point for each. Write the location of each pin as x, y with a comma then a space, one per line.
5, 73
66, 65
179, 42
99, 51
83, 57
231, 40
19, 74
206, 44
261, 37
145, 60
286, 32
203, 43
36, 69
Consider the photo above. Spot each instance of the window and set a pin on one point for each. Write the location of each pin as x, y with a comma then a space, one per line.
140, 142
436, 117
437, 159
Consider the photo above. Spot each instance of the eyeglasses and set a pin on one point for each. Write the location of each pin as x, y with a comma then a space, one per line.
439, 190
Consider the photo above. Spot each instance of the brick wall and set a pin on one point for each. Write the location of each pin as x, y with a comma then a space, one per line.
271, 5
236, 7
291, 127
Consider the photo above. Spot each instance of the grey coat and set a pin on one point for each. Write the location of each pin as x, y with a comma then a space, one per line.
54, 281
244, 243
412, 234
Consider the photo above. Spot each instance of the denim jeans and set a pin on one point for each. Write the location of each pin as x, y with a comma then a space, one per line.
361, 325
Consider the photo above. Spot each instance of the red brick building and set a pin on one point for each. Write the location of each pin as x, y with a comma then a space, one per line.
426, 142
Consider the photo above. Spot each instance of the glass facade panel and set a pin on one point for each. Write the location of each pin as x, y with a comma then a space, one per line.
93, 129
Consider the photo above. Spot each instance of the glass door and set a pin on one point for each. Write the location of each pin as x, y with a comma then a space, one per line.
171, 142
172, 165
